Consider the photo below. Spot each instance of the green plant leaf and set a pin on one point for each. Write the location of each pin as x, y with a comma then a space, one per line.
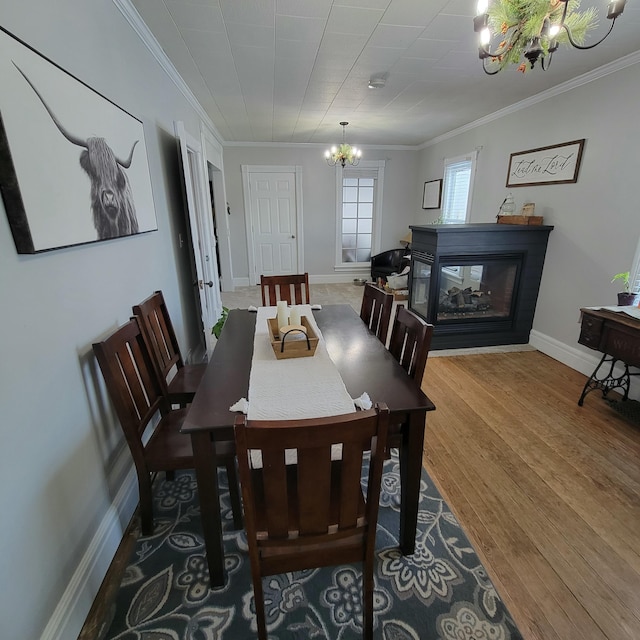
216, 330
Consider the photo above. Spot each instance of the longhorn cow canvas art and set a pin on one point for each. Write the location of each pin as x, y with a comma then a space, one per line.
73, 165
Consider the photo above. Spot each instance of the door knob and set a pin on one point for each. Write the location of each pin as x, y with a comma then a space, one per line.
210, 283
293, 236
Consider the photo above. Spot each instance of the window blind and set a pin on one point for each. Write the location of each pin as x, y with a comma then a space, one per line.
457, 180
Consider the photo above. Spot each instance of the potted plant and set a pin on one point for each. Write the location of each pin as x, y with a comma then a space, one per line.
625, 297
216, 330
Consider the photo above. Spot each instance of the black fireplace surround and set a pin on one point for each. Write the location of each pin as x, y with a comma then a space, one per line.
477, 283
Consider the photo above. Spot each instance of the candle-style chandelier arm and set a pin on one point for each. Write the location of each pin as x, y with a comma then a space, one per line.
590, 46
532, 30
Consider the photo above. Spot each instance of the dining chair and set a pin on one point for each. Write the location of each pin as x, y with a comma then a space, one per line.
311, 512
294, 288
409, 344
181, 380
138, 397
376, 310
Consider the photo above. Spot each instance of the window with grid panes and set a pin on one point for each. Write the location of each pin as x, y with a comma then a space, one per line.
358, 195
458, 183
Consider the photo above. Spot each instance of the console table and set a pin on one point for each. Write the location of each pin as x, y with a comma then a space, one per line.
617, 336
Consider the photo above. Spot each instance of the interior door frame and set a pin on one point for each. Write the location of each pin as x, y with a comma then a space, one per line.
214, 171
201, 232
247, 170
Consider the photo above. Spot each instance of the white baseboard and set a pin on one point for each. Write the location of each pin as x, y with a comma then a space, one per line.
340, 277
333, 278
72, 609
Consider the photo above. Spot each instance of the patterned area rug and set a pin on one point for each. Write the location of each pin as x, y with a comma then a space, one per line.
440, 592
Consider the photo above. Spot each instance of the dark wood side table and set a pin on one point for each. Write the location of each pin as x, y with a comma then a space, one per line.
617, 336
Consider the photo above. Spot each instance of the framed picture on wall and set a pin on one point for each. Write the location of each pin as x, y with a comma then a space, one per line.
556, 164
73, 165
432, 194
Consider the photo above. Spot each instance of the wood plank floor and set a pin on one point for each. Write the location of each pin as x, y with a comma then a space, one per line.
548, 492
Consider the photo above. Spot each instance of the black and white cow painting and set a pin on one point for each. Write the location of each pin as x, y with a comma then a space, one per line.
112, 205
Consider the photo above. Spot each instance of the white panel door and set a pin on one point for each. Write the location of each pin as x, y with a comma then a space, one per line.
274, 222
205, 269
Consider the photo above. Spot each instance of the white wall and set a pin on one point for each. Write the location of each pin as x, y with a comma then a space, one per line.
65, 484
319, 201
596, 220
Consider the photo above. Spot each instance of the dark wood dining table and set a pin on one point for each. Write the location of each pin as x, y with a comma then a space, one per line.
365, 366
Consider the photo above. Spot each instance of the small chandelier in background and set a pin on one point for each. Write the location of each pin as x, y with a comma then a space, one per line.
343, 153
532, 30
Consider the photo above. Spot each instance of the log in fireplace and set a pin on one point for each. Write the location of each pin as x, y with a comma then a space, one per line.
477, 283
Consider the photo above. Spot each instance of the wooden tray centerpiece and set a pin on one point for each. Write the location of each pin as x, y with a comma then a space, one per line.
288, 345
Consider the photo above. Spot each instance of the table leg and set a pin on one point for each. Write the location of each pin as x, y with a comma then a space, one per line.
609, 381
410, 475
204, 455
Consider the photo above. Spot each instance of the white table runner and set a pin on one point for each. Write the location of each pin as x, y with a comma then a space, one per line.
293, 388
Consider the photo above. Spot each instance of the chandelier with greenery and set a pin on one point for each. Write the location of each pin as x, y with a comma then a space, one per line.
343, 153
522, 32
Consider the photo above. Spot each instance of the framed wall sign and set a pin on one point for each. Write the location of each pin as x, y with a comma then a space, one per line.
557, 164
73, 165
432, 194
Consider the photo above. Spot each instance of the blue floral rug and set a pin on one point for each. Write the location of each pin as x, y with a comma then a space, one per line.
441, 592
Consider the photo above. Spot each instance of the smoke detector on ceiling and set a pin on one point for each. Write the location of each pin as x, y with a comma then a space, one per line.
377, 82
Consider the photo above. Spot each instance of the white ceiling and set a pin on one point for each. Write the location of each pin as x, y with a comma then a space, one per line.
291, 70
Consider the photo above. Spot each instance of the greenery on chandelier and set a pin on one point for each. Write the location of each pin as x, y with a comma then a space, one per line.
519, 21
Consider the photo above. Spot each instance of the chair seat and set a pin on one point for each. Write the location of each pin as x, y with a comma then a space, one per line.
184, 384
169, 449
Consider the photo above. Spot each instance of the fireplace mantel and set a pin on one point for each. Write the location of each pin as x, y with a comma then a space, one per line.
477, 283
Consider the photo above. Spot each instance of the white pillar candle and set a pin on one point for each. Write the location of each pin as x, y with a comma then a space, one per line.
282, 314
294, 316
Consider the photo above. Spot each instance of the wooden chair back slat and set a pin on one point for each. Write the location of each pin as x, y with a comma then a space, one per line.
376, 310
275, 493
311, 512
131, 380
293, 288
314, 490
351, 470
157, 329
410, 342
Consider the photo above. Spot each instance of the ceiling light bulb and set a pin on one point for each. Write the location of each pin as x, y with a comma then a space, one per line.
485, 36
482, 7
554, 29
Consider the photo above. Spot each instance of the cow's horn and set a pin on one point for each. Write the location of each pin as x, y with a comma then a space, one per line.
127, 164
71, 138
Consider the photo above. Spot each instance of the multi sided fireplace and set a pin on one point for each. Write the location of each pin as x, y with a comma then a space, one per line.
477, 283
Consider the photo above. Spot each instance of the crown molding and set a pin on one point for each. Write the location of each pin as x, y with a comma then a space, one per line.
149, 40
318, 145
585, 78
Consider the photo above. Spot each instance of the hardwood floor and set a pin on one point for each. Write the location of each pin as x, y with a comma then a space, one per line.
548, 492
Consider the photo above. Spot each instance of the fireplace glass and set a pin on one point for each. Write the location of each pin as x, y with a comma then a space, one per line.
483, 289
421, 283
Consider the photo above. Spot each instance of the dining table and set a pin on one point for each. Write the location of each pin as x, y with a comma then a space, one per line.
365, 366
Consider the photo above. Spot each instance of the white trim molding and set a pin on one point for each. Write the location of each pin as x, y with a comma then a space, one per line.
72, 609
149, 40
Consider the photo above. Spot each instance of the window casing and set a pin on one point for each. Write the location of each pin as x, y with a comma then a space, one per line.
359, 202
